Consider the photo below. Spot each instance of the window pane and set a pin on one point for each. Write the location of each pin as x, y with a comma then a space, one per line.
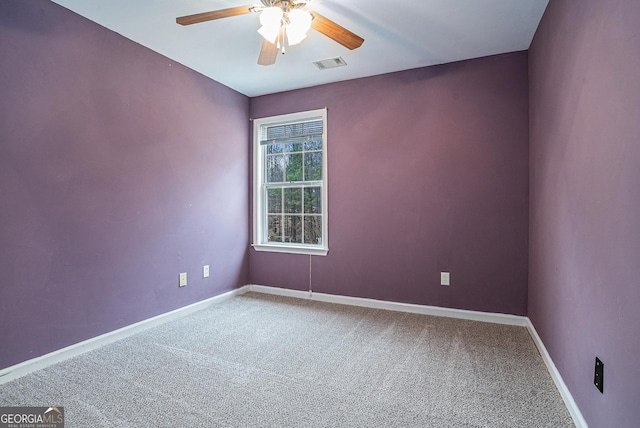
312, 200
293, 229
274, 232
294, 147
313, 145
273, 149
274, 132
294, 129
275, 169
313, 166
294, 167
275, 201
293, 200
313, 229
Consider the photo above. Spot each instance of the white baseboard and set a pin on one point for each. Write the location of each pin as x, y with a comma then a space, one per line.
26, 367
13, 372
572, 407
395, 306
574, 411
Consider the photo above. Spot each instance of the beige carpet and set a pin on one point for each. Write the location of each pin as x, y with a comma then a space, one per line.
261, 360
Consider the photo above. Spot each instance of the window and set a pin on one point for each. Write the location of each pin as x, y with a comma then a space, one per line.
290, 183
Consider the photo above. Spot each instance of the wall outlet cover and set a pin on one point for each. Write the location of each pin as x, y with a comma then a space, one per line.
205, 271
182, 279
445, 278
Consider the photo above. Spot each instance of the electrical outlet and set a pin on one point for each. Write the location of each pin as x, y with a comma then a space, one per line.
445, 278
205, 271
598, 378
183, 279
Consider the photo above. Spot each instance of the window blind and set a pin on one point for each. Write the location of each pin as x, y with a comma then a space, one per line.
292, 132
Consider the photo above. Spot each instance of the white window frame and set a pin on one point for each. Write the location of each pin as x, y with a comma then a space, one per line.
260, 242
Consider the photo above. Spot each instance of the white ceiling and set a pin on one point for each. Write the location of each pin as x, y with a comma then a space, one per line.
399, 35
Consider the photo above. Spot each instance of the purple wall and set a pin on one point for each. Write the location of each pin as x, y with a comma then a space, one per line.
584, 290
428, 172
118, 169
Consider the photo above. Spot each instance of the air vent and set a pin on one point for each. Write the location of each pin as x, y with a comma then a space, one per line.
330, 63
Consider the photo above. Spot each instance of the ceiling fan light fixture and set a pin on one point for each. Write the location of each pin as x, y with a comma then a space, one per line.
298, 23
282, 20
271, 21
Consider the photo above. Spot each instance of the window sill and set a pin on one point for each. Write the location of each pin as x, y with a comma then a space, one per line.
291, 249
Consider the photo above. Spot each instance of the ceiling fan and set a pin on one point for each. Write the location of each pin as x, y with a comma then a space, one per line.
282, 19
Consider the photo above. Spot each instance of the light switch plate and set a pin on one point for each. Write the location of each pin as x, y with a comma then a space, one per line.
205, 271
183, 279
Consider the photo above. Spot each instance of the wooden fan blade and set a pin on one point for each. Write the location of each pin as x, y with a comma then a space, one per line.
216, 14
336, 32
268, 53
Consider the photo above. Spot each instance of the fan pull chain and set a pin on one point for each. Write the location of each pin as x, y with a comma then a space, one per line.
278, 40
284, 30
